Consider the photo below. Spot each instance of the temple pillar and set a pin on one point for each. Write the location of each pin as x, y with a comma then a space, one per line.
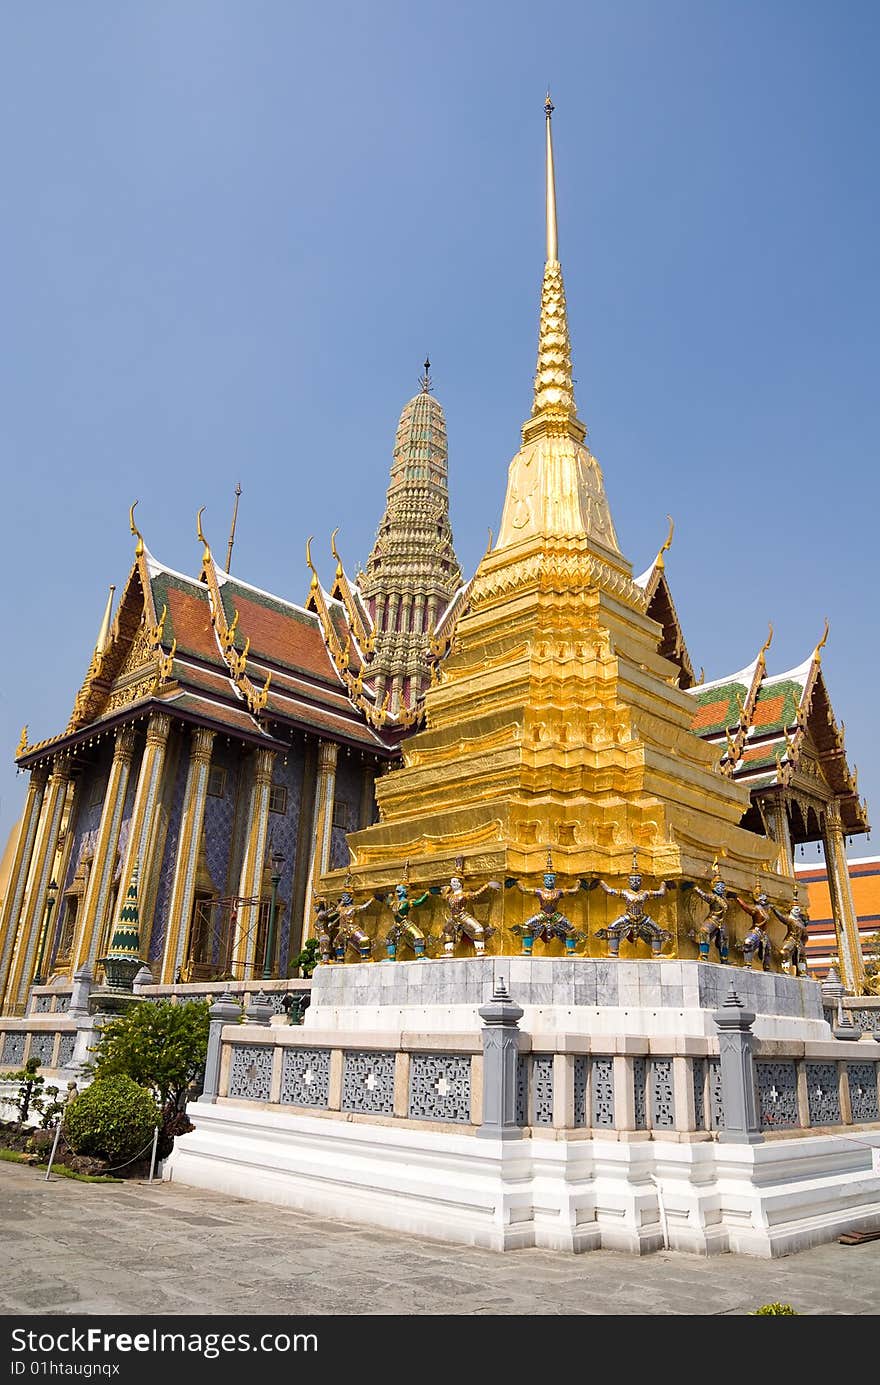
191, 823
846, 923
322, 829
368, 797
34, 918
782, 836
66, 851
251, 879
98, 890
18, 875
144, 820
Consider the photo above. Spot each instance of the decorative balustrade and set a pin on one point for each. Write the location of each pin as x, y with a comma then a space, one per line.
659, 1089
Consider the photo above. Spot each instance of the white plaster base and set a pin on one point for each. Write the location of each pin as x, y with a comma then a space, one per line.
562, 1194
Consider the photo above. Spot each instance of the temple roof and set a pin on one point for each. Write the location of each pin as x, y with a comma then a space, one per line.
220, 652
780, 730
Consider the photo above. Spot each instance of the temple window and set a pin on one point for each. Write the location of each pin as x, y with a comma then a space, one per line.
278, 798
217, 781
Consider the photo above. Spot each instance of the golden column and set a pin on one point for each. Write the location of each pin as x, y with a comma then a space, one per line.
142, 836
21, 864
34, 917
322, 827
192, 820
846, 923
782, 833
98, 890
251, 879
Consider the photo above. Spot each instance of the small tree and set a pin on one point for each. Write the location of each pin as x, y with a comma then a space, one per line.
160, 1046
308, 959
33, 1096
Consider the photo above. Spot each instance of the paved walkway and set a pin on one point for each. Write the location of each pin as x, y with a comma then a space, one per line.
138, 1248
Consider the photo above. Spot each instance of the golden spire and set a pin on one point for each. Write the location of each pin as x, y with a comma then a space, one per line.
104, 631
552, 235
554, 484
554, 392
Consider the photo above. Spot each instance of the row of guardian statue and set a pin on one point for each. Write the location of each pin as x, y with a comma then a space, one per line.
339, 933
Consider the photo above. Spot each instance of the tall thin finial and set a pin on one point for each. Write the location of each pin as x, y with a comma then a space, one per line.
552, 236
232, 527
425, 381
104, 631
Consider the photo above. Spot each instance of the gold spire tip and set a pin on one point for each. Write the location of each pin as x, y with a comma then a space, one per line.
552, 233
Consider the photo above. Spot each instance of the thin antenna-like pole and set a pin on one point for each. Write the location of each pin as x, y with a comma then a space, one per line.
232, 528
426, 381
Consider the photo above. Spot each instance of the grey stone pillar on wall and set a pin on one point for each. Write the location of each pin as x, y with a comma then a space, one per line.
225, 1010
500, 1032
741, 1123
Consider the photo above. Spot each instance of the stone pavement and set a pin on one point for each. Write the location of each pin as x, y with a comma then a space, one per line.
80, 1248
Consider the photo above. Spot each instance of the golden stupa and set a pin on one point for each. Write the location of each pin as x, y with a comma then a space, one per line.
555, 723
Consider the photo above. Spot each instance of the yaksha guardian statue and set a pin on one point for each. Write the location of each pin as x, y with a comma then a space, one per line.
756, 942
713, 929
403, 928
348, 934
326, 919
794, 947
633, 923
548, 923
459, 922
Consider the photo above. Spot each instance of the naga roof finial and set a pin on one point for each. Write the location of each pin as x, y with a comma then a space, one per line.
206, 556
817, 655
769, 640
664, 548
334, 552
139, 546
311, 566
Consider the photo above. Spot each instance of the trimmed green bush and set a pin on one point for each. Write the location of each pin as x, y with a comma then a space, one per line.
776, 1310
161, 1046
113, 1119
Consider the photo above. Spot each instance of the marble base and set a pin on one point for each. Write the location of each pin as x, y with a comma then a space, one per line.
578, 995
562, 1194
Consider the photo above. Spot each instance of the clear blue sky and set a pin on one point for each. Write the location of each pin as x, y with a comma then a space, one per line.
229, 232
